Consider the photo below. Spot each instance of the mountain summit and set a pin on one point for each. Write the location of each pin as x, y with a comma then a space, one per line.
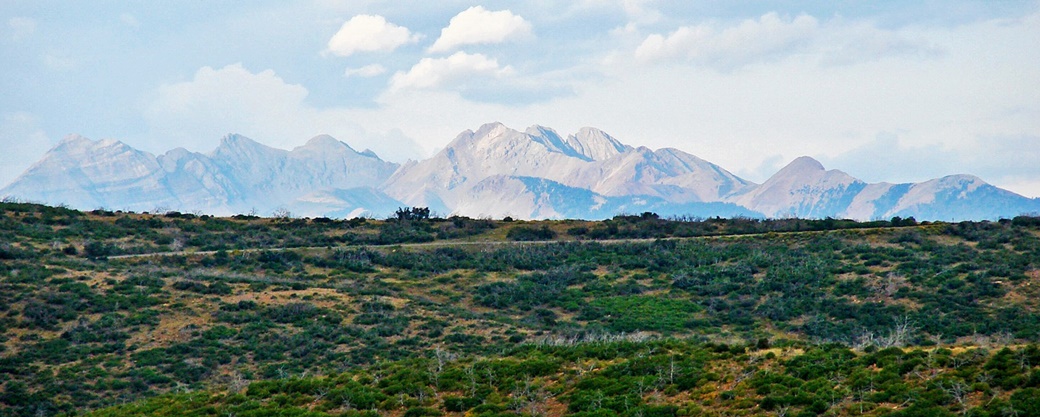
494, 171
803, 188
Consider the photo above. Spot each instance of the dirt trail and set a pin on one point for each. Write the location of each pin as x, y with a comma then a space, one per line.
455, 243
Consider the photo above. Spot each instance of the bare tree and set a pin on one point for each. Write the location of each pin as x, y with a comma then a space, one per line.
959, 392
282, 213
900, 334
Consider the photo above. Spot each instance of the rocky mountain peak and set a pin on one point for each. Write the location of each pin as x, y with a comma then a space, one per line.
74, 139
239, 142
235, 147
234, 139
490, 130
802, 165
596, 144
325, 144
77, 144
323, 141
552, 140
539, 130
470, 138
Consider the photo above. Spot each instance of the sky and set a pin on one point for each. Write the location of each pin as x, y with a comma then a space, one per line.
889, 91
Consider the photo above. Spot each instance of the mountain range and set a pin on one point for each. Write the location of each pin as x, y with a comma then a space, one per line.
494, 171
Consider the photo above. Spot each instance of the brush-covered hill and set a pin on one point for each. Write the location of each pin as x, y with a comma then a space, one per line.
179, 314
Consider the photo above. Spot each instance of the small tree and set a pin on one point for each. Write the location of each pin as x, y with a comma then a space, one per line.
412, 213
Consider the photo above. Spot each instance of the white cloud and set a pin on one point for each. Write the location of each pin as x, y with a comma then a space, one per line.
477, 25
24, 143
368, 33
195, 114
440, 72
751, 40
366, 71
226, 100
19, 28
772, 37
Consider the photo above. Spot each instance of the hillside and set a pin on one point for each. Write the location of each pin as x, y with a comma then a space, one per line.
181, 314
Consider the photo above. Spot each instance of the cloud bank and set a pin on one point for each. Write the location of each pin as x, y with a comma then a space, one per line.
195, 114
773, 37
751, 40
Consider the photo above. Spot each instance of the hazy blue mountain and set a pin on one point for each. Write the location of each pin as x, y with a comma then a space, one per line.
239, 176
82, 173
804, 188
494, 171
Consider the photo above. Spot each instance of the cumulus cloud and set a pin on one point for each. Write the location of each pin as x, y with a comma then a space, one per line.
195, 114
772, 37
225, 100
478, 25
440, 72
366, 71
368, 33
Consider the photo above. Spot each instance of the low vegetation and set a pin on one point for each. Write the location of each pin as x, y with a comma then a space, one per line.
177, 314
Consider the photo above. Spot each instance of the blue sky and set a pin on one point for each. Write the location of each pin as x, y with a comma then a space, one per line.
884, 90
